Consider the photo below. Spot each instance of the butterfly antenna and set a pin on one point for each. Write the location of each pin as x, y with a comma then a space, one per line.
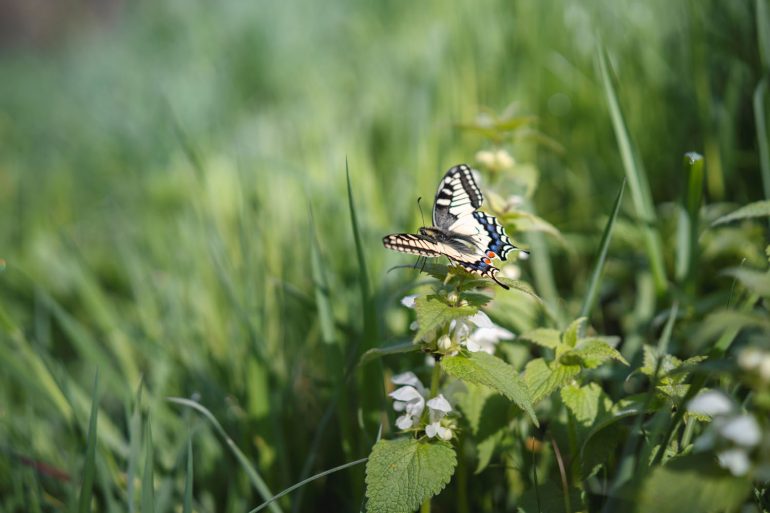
420, 207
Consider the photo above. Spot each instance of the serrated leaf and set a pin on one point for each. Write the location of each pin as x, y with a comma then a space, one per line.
692, 483
572, 333
433, 313
591, 353
402, 473
545, 337
521, 286
484, 369
757, 209
542, 379
472, 401
583, 402
486, 449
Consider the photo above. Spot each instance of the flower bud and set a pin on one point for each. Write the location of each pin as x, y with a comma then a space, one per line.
444, 342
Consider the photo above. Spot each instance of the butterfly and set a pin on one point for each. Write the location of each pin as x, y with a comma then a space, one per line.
460, 232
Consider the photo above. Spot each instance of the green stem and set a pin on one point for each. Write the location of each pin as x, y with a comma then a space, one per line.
435, 379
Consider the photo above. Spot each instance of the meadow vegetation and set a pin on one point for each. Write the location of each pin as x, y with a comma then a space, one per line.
196, 310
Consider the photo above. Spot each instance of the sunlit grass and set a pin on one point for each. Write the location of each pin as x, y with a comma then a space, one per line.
192, 202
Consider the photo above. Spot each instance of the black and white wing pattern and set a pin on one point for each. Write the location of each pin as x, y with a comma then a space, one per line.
455, 211
460, 232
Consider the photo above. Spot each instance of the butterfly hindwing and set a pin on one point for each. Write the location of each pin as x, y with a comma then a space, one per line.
493, 237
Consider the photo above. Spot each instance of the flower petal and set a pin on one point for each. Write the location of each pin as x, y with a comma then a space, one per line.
742, 430
406, 378
481, 320
404, 422
735, 460
406, 394
399, 405
444, 433
711, 402
432, 429
408, 301
439, 403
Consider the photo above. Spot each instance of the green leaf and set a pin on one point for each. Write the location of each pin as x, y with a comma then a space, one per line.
433, 313
604, 245
572, 333
484, 369
486, 449
188, 480
584, 402
756, 209
637, 178
402, 473
590, 353
755, 281
545, 337
379, 352
148, 480
692, 483
472, 401
542, 379
89, 470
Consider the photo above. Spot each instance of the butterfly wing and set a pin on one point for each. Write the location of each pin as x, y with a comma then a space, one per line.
421, 245
457, 198
413, 244
455, 212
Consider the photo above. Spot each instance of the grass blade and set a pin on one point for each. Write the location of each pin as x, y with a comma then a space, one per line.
363, 274
290, 489
637, 179
148, 479
256, 480
763, 33
134, 439
604, 245
188, 481
89, 471
760, 119
687, 229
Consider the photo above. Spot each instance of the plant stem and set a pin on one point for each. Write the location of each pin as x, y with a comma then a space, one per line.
435, 378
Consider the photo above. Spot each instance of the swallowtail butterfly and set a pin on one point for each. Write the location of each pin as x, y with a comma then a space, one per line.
460, 232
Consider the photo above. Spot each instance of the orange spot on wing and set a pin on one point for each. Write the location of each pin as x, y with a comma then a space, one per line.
491, 254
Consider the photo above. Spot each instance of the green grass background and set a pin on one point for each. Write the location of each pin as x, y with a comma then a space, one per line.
157, 177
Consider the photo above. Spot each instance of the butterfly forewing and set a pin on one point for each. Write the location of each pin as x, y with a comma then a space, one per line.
458, 196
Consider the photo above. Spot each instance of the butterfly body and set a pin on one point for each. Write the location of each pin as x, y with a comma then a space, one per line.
460, 232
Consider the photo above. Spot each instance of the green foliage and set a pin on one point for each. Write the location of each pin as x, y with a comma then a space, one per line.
433, 313
402, 473
484, 369
158, 165
692, 483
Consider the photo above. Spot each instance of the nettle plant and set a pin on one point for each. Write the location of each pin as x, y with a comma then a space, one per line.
460, 407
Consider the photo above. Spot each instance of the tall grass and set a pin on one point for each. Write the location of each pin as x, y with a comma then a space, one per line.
155, 177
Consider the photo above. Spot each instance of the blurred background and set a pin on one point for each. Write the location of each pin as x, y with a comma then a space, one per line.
174, 210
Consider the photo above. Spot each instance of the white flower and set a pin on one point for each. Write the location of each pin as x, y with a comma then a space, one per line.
495, 160
742, 430
408, 301
511, 271
731, 432
485, 335
711, 402
408, 399
438, 407
735, 460
750, 358
444, 342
